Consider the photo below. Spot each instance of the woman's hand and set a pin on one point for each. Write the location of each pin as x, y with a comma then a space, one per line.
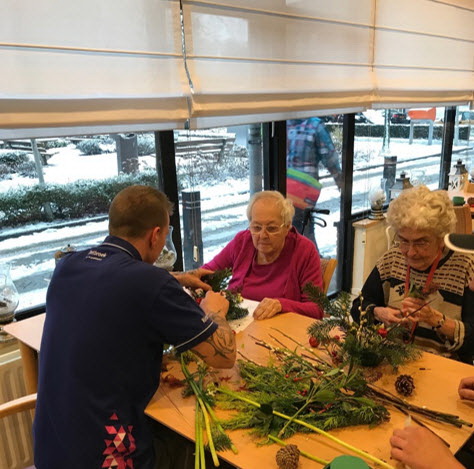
267, 308
419, 448
388, 315
425, 314
466, 388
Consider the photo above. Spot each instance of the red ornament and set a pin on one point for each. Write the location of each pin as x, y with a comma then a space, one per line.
313, 341
382, 332
198, 300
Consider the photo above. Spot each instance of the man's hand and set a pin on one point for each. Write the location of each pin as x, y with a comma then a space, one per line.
267, 308
215, 304
388, 315
219, 349
466, 388
419, 448
192, 278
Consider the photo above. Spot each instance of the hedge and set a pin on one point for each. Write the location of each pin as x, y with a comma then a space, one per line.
420, 131
74, 200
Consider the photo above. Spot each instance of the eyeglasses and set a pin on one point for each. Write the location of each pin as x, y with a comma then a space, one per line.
270, 229
405, 245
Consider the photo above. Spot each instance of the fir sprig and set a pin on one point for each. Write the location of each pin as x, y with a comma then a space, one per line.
219, 282
271, 413
366, 343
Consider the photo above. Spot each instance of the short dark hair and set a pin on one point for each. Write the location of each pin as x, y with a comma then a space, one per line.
136, 209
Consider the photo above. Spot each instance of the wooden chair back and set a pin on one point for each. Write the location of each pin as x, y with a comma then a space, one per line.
16, 406
328, 266
464, 220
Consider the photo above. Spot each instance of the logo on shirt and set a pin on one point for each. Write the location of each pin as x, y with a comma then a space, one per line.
96, 255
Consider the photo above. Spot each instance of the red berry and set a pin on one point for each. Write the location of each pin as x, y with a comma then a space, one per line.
382, 332
198, 300
313, 341
336, 338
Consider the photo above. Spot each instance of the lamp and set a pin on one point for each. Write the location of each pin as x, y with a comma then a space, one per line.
458, 177
377, 198
9, 299
401, 183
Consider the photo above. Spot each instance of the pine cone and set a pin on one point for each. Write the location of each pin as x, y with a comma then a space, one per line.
288, 457
405, 385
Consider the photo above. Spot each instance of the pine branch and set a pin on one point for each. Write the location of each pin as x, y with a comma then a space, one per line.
265, 409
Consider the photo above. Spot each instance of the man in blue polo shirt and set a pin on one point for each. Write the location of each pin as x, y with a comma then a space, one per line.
108, 313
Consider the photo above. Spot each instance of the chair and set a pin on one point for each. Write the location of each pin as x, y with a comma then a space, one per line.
16, 406
463, 219
328, 266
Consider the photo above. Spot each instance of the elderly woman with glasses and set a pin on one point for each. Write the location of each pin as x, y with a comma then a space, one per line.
270, 261
419, 281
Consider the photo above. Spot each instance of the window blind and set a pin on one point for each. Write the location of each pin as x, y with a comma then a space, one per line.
272, 59
256, 60
86, 67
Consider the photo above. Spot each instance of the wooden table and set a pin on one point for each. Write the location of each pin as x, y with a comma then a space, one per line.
28, 332
436, 381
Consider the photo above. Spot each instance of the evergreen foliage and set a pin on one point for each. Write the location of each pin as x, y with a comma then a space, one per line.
368, 343
219, 282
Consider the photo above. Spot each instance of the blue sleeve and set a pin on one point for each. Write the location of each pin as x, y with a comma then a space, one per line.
178, 318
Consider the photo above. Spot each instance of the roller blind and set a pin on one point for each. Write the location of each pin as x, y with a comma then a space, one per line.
424, 52
277, 58
77, 67
252, 60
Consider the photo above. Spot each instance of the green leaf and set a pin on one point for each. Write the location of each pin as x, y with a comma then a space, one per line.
324, 396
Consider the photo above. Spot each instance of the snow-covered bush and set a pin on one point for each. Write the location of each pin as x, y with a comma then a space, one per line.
146, 144
90, 146
74, 200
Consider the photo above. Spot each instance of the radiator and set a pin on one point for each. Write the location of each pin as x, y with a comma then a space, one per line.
16, 450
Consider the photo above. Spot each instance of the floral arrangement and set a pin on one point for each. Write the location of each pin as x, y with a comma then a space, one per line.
297, 391
368, 343
219, 282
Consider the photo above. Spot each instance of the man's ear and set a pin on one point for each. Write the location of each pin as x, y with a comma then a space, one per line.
153, 235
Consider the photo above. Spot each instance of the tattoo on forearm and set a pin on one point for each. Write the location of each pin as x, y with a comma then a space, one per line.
222, 341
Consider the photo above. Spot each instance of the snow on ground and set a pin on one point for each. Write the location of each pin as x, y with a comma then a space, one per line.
223, 204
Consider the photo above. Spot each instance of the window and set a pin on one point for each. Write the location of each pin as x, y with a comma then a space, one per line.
392, 142
216, 167
61, 200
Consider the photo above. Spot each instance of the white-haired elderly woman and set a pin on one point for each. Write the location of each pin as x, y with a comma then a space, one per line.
270, 261
420, 273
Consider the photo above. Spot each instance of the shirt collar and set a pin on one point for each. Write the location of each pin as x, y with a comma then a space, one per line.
121, 244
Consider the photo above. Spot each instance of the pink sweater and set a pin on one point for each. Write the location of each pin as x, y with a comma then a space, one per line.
283, 279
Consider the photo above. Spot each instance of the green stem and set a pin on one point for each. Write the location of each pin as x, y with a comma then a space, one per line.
197, 437
304, 453
311, 427
215, 459
219, 426
197, 393
201, 443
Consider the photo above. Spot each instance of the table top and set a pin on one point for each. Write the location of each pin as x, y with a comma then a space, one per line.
28, 331
436, 380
